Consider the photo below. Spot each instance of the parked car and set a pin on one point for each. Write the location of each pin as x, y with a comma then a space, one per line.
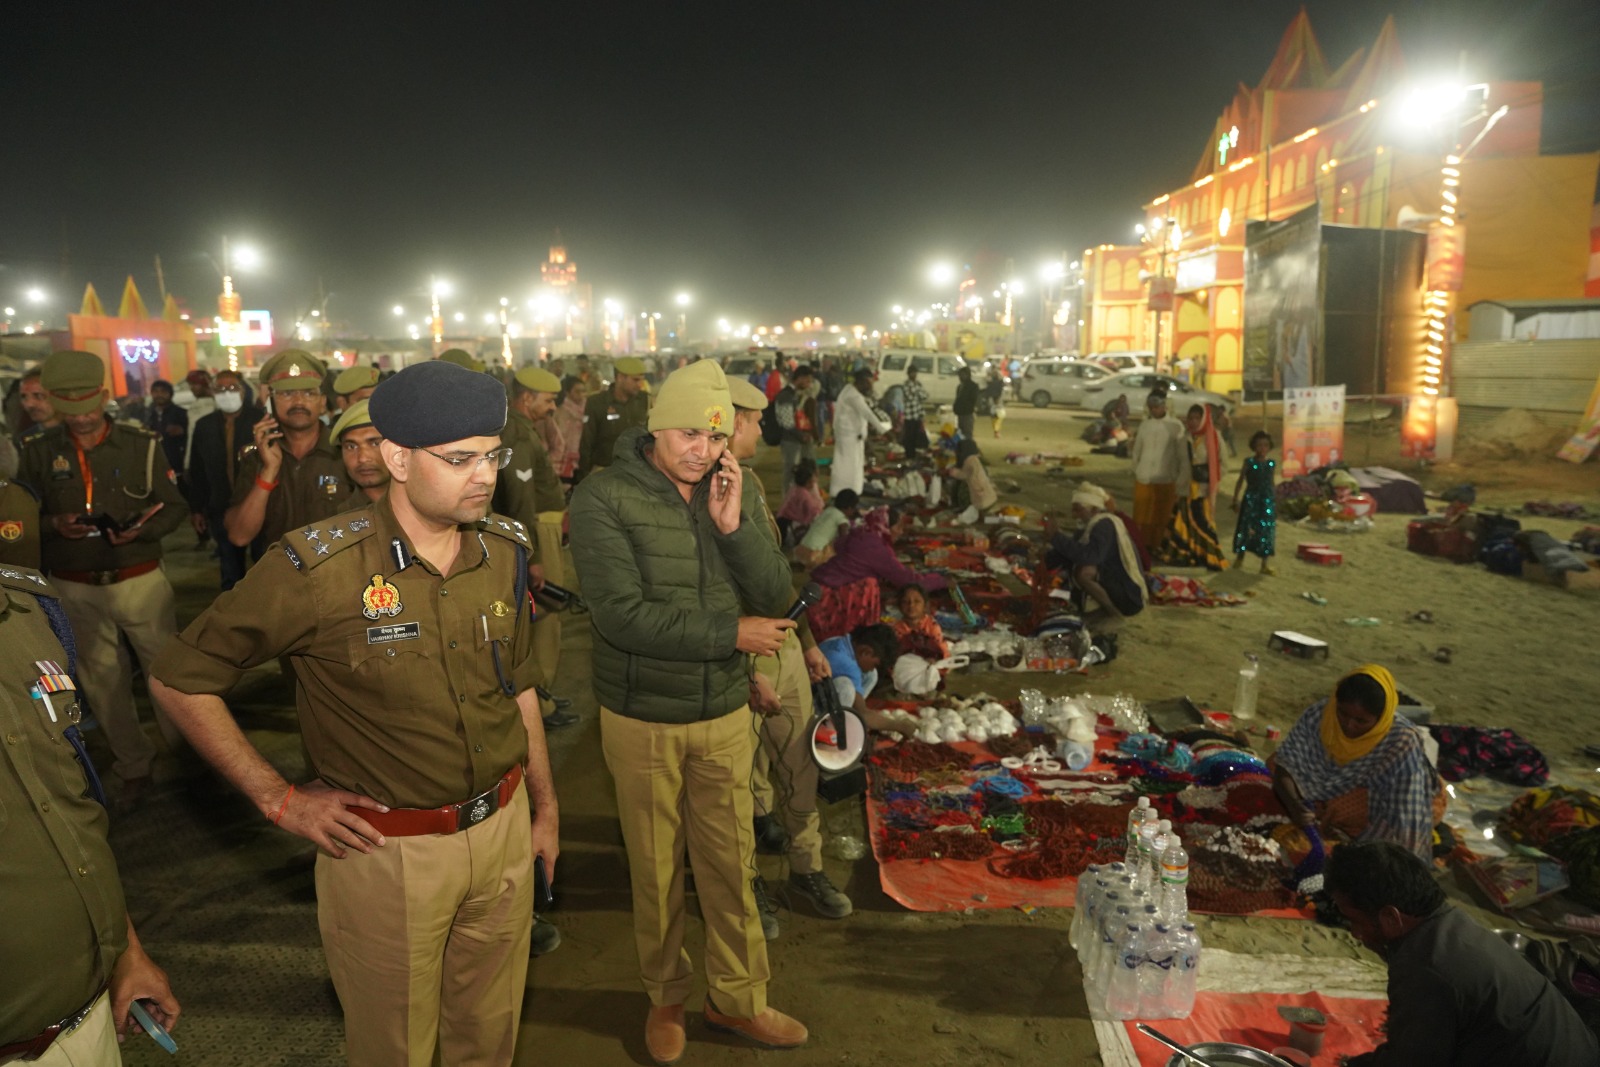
1136, 385
744, 365
1047, 380
1121, 361
935, 370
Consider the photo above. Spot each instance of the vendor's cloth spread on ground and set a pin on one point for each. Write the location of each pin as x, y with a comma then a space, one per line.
960, 831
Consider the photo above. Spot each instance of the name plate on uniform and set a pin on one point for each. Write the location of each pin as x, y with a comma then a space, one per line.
396, 631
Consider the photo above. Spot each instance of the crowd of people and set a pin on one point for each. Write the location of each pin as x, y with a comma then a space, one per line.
384, 538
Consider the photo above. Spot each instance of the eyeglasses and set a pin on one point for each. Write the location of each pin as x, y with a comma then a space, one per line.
500, 458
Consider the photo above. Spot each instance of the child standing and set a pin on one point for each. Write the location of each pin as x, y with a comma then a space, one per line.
969, 468
1257, 528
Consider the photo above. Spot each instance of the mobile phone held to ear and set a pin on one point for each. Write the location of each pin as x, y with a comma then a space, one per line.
542, 897
153, 1028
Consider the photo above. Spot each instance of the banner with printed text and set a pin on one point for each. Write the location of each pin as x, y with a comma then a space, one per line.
1313, 429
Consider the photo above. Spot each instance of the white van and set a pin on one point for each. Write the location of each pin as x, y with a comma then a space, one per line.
935, 370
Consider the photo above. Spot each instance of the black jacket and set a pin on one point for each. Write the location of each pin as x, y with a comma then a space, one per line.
210, 488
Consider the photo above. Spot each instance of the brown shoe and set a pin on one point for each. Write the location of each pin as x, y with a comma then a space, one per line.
663, 1033
772, 1028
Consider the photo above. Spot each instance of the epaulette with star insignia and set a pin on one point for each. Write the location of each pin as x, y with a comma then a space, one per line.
509, 528
308, 546
25, 580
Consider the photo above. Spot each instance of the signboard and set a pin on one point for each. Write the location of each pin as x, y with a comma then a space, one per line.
134, 349
1197, 272
1160, 293
1313, 429
1283, 303
1447, 257
253, 329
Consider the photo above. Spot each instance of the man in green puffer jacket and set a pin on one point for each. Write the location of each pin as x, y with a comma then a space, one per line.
665, 564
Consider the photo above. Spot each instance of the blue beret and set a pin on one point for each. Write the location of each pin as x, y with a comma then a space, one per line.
437, 402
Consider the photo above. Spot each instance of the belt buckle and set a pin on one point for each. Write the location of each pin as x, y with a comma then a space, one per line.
470, 813
105, 577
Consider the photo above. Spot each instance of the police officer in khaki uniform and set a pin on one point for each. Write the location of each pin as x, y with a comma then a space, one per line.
609, 413
96, 479
462, 358
295, 475
358, 443
19, 513
409, 629
531, 492
72, 960
354, 384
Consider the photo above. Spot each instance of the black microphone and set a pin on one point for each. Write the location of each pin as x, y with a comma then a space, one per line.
810, 595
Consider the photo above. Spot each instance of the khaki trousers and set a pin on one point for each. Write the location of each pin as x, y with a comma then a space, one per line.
92, 1044
688, 786
427, 942
1152, 511
547, 630
142, 608
784, 779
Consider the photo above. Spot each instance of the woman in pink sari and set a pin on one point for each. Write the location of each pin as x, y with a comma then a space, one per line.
564, 429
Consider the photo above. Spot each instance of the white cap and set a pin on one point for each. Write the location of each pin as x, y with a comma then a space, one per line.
1164, 826
1144, 802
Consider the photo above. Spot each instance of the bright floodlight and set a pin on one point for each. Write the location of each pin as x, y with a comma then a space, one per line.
440, 287
244, 257
897, 309
683, 299
488, 318
941, 274
398, 310
36, 295
1138, 228
1427, 105
461, 316
1015, 286
1052, 270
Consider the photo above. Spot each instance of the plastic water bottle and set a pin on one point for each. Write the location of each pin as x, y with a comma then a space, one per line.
1185, 973
1089, 933
1091, 884
1158, 848
1174, 898
1155, 977
1141, 811
1146, 861
1122, 982
1098, 972
1244, 700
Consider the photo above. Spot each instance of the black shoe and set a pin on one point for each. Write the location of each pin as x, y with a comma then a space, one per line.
766, 909
823, 894
561, 703
557, 719
546, 938
771, 840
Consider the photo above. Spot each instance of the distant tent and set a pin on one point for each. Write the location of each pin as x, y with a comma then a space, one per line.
91, 302
169, 310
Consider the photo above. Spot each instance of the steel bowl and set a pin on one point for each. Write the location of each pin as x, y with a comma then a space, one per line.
1228, 1054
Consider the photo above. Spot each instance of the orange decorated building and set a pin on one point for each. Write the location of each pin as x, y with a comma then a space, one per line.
1310, 134
137, 349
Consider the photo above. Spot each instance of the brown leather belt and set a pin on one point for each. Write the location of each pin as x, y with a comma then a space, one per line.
107, 577
450, 819
36, 1046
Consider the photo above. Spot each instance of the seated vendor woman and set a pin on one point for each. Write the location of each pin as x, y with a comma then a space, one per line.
917, 629
1102, 560
867, 551
1356, 771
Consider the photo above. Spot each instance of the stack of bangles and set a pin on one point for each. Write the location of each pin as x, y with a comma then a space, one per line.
283, 808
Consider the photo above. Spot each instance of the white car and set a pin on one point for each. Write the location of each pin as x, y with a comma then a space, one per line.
935, 370
1137, 385
1050, 380
1121, 361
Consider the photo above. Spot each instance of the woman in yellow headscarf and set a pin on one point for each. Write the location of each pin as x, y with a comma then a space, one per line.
1356, 770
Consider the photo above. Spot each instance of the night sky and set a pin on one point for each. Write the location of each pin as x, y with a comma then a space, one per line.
774, 160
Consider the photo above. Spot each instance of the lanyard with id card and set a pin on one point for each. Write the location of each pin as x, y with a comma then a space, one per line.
57, 695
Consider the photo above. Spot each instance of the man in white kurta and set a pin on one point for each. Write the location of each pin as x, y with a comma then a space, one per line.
853, 418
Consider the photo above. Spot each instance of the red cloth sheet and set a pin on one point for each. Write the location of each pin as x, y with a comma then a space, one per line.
957, 885
1253, 1019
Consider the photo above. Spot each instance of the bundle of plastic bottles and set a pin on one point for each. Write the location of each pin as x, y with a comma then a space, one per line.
1139, 951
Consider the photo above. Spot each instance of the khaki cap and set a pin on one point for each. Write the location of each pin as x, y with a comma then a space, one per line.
746, 395
462, 358
76, 381
539, 380
354, 417
352, 378
292, 369
631, 365
694, 398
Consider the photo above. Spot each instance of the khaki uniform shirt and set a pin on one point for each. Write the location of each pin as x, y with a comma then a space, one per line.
19, 526
66, 921
128, 473
399, 696
529, 486
308, 490
753, 507
604, 419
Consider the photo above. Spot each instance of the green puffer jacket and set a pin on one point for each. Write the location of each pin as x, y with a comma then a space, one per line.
664, 589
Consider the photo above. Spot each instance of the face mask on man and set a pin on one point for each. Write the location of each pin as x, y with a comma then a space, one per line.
230, 402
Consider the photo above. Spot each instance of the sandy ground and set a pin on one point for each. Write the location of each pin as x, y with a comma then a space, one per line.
226, 903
